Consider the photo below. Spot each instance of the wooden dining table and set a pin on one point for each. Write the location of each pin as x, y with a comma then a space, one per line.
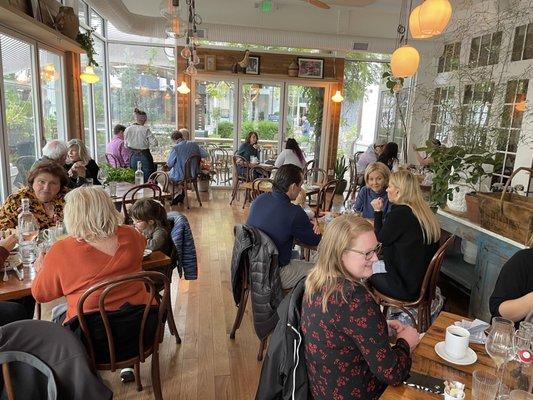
426, 361
14, 288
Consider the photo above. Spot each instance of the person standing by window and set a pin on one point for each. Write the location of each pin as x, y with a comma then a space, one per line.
139, 139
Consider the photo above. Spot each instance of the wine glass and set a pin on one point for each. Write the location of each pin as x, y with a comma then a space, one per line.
499, 343
102, 176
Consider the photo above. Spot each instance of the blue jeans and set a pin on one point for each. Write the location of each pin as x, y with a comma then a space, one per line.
145, 157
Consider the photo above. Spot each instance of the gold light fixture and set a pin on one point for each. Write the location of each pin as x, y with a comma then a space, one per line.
88, 76
337, 97
414, 25
48, 73
404, 61
183, 88
521, 106
434, 16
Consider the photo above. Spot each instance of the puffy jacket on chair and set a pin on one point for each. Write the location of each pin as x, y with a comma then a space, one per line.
183, 240
265, 283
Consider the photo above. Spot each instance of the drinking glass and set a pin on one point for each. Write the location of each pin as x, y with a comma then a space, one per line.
113, 189
102, 176
28, 252
484, 385
499, 343
520, 395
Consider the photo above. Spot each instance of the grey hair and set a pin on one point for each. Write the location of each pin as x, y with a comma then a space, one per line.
55, 149
185, 133
83, 152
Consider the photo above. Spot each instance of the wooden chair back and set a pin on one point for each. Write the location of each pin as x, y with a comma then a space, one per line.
257, 172
316, 176
354, 179
190, 163
260, 185
240, 161
326, 195
130, 196
160, 178
309, 165
356, 157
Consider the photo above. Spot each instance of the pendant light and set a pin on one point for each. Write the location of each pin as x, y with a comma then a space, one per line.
183, 88
337, 97
404, 61
88, 75
414, 25
434, 16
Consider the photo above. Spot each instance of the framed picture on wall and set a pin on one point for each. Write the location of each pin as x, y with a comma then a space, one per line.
210, 63
253, 65
311, 68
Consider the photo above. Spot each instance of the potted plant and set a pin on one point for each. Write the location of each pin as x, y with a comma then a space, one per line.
118, 174
340, 169
204, 176
455, 173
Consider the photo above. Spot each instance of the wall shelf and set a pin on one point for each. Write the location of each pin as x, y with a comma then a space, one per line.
20, 22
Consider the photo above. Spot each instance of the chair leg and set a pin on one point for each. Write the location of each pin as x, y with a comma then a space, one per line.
195, 184
262, 347
172, 324
38, 311
8, 384
240, 313
185, 190
137, 370
234, 191
156, 377
246, 197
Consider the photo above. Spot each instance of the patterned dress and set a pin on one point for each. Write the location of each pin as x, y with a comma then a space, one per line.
9, 211
347, 349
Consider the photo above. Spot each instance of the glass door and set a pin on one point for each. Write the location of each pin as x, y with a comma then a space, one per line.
304, 117
261, 113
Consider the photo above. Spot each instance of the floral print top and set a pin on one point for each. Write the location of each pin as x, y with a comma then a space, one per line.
347, 349
9, 211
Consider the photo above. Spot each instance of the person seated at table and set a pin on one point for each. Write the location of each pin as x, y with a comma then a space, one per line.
376, 179
389, 156
98, 248
54, 150
79, 164
181, 151
150, 218
284, 222
118, 149
249, 148
426, 160
13, 310
345, 334
512, 297
47, 185
410, 237
370, 155
291, 155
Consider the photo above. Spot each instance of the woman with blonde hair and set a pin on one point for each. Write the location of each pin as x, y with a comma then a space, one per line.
346, 339
376, 180
410, 237
80, 165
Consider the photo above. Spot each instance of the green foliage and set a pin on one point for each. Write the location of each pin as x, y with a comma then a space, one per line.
225, 129
340, 168
119, 174
266, 130
391, 81
454, 165
86, 42
358, 75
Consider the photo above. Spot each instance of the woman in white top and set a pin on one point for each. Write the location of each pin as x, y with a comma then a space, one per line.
291, 155
138, 138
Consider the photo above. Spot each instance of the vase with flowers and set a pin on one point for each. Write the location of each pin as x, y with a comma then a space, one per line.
205, 176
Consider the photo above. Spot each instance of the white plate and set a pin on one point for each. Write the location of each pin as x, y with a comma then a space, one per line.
147, 253
469, 358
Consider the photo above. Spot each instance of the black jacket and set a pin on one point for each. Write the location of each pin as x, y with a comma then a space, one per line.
253, 245
284, 366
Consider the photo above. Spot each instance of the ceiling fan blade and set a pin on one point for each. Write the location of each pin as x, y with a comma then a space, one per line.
319, 4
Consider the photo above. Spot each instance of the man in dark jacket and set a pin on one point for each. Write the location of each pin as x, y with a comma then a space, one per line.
274, 214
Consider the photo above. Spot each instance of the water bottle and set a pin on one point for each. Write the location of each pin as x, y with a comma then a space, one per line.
139, 175
28, 229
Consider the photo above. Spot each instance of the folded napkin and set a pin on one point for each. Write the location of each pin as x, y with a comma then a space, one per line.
378, 267
476, 328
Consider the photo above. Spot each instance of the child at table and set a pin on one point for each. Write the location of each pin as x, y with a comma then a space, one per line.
150, 218
376, 178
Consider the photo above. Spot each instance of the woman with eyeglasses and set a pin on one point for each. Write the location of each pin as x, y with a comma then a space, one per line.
410, 237
347, 347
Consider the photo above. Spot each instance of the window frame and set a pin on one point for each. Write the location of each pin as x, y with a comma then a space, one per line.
524, 43
448, 58
482, 48
440, 121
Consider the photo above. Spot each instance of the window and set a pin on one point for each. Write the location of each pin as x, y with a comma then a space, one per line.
510, 126
485, 50
449, 61
390, 126
83, 12
97, 22
475, 111
441, 115
523, 43
52, 100
21, 116
143, 77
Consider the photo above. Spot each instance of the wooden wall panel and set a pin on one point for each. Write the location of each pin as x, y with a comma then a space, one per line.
73, 96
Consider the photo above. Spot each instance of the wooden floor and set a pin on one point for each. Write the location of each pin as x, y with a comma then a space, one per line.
208, 364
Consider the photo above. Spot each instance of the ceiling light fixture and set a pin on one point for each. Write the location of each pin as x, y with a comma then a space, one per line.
434, 16
414, 25
337, 97
183, 88
88, 75
405, 59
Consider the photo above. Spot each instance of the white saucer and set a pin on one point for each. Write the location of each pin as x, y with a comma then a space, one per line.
469, 358
147, 253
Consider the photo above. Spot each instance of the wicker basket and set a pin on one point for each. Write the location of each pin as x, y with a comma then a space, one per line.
508, 214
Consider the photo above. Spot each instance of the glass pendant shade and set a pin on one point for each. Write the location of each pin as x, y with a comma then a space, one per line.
183, 88
337, 97
191, 69
414, 25
404, 61
88, 76
195, 59
185, 52
434, 16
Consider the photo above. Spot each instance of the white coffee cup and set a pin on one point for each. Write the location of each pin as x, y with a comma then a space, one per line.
456, 342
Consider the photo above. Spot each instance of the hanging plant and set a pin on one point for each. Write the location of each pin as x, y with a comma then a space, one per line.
393, 84
86, 42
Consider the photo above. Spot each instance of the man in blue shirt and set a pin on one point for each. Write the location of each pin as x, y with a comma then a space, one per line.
274, 214
182, 150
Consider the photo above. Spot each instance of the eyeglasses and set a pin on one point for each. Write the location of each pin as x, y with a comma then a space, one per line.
368, 254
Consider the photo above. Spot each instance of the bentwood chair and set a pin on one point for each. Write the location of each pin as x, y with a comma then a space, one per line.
326, 195
160, 178
314, 176
254, 173
112, 160
148, 344
240, 174
259, 186
352, 186
131, 195
190, 177
427, 292
309, 165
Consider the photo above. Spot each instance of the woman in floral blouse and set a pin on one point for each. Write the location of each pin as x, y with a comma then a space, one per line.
47, 185
346, 338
